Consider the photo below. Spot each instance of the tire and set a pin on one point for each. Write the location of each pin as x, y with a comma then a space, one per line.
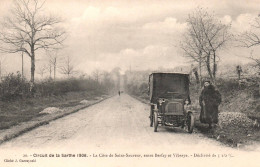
151, 118
155, 121
190, 122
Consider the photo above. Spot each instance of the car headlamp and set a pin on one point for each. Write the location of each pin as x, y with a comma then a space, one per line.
161, 101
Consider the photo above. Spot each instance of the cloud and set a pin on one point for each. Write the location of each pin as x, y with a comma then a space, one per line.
115, 26
98, 15
168, 25
91, 13
150, 57
243, 22
140, 33
226, 19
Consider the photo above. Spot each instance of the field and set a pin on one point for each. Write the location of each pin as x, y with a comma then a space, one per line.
15, 112
19, 104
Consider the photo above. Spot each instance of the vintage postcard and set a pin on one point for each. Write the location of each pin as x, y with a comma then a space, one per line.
125, 83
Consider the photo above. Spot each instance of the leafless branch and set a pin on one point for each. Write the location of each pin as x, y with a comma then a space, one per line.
204, 37
250, 38
68, 67
27, 29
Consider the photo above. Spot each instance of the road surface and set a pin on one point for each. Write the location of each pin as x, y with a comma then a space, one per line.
118, 125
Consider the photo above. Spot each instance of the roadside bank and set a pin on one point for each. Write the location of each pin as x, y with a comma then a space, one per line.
23, 127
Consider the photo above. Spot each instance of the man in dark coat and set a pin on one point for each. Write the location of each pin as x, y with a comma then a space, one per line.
209, 100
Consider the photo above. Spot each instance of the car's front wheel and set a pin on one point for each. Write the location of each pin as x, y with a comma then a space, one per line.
151, 118
190, 122
155, 121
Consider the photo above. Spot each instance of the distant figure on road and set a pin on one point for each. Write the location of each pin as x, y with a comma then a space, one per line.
119, 92
209, 100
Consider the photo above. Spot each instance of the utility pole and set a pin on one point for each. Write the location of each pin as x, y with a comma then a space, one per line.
50, 69
22, 60
22, 66
0, 69
54, 67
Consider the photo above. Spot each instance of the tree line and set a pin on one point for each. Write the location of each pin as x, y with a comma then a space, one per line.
206, 36
28, 29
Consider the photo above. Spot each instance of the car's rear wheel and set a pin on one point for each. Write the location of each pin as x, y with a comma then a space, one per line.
151, 118
155, 121
190, 122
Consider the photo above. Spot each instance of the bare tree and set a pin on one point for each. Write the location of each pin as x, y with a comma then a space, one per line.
192, 49
67, 67
53, 59
97, 74
250, 39
2, 61
205, 36
42, 70
257, 62
28, 30
50, 68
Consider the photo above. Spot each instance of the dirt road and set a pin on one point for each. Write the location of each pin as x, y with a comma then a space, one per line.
119, 125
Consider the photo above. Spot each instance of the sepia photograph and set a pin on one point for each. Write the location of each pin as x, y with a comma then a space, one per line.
129, 83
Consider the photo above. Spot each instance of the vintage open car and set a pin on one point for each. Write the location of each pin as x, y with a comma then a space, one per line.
170, 101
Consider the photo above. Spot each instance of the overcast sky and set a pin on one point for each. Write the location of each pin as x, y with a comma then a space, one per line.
142, 34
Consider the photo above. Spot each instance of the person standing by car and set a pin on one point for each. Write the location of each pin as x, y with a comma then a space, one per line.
209, 100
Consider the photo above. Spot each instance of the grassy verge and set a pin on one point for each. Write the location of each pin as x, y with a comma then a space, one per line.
232, 136
18, 111
239, 111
